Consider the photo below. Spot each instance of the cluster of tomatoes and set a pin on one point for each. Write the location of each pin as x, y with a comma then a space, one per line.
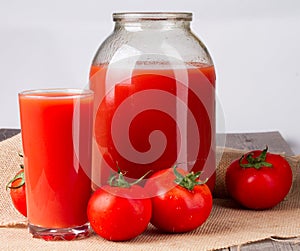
174, 200
122, 211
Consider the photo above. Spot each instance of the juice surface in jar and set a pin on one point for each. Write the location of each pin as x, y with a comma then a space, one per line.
58, 186
154, 118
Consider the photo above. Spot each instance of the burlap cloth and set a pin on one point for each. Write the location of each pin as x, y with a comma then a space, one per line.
227, 225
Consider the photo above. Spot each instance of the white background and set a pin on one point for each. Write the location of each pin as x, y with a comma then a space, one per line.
254, 45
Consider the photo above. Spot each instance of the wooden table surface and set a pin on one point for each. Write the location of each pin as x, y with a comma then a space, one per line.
245, 141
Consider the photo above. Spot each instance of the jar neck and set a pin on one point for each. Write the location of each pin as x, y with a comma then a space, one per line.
152, 21
152, 25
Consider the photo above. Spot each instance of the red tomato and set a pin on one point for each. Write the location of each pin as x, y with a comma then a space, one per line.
17, 192
116, 214
182, 203
259, 180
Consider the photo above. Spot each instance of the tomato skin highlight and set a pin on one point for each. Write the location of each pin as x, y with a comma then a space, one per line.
18, 194
116, 216
261, 188
178, 209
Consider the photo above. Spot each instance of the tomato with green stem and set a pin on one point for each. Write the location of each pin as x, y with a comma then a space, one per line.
119, 211
181, 203
17, 191
259, 179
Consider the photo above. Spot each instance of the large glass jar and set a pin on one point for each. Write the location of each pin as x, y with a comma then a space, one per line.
154, 84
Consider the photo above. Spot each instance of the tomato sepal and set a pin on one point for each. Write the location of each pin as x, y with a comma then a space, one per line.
188, 181
18, 176
118, 180
255, 162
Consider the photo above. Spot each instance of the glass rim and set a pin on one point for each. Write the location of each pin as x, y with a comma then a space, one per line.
70, 93
152, 16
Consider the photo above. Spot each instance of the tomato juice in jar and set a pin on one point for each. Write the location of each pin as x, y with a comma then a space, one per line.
154, 85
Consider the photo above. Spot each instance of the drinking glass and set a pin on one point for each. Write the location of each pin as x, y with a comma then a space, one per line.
56, 126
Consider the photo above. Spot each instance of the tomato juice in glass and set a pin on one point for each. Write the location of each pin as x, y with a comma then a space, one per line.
153, 117
56, 135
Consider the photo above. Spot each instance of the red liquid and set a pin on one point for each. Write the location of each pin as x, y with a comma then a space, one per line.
58, 188
159, 108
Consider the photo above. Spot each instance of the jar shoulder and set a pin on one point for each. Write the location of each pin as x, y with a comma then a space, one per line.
181, 45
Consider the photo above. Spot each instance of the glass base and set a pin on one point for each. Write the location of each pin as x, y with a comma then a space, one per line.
54, 234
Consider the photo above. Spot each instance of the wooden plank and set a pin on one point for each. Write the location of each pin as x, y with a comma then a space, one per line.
252, 141
282, 245
7, 133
